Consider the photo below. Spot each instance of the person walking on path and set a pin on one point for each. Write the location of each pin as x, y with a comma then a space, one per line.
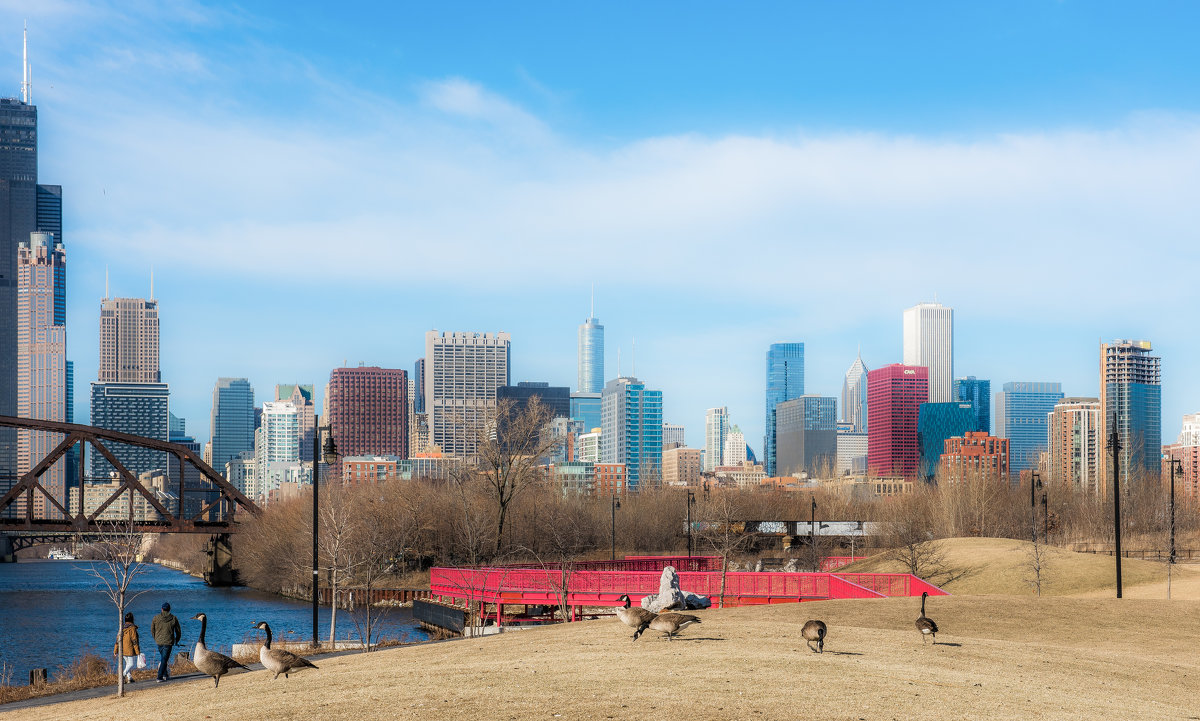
165, 628
128, 648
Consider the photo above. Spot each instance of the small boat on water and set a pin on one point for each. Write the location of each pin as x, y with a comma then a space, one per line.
60, 554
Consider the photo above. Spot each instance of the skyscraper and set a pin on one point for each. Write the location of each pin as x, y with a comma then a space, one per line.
1021, 412
806, 436
979, 394
1131, 397
716, 428
854, 396
368, 411
129, 341
42, 387
631, 422
277, 443
301, 396
929, 342
591, 355
785, 381
462, 373
673, 436
129, 396
232, 424
556, 398
25, 207
734, 451
895, 393
418, 379
936, 423
1074, 443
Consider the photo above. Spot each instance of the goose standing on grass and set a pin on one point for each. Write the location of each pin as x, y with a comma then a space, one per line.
210, 662
669, 623
925, 624
277, 659
636, 618
814, 631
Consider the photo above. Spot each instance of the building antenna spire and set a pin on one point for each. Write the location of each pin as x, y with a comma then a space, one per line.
25, 84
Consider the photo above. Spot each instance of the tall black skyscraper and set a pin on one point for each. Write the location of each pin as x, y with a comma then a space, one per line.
25, 207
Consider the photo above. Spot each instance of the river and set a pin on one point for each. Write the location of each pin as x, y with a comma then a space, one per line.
52, 612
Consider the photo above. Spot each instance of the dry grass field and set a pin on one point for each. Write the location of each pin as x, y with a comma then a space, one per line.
1009, 656
997, 658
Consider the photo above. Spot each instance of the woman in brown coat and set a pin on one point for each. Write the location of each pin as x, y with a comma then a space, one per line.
129, 647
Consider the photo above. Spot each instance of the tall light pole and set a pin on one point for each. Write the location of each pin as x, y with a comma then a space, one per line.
1175, 463
1114, 447
330, 456
691, 498
616, 503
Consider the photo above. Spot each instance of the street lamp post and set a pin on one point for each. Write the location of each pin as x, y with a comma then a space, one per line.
616, 503
330, 456
1175, 463
691, 498
1114, 447
1045, 519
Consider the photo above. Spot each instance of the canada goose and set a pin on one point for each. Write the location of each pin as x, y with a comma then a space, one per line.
815, 631
635, 618
210, 662
925, 624
277, 659
669, 623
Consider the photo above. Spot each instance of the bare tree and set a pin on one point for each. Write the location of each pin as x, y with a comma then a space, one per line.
723, 530
340, 523
1035, 564
117, 549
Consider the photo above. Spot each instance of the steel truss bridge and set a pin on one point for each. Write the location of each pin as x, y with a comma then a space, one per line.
207, 507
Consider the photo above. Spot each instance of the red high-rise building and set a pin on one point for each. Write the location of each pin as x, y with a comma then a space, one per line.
368, 411
894, 397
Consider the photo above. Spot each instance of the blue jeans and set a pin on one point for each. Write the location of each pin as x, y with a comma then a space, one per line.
164, 661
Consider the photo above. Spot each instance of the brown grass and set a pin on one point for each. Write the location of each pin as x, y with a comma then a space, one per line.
89, 671
998, 566
998, 658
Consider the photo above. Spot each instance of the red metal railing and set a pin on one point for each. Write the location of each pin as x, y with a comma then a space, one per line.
833, 563
628, 563
893, 584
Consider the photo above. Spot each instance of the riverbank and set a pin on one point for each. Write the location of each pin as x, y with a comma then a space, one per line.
995, 657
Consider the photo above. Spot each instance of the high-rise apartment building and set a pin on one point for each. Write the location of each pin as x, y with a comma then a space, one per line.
277, 443
895, 393
806, 436
1073, 440
631, 423
591, 355
368, 411
785, 381
463, 372
673, 436
232, 425
979, 394
929, 342
301, 396
716, 428
142, 409
43, 391
1131, 398
734, 451
1021, 412
854, 396
25, 207
587, 446
129, 341
937, 422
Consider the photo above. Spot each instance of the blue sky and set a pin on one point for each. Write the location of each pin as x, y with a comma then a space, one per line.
316, 183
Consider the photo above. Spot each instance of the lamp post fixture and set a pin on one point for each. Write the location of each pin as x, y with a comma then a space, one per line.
1114, 447
1175, 463
616, 503
330, 457
691, 498
1035, 482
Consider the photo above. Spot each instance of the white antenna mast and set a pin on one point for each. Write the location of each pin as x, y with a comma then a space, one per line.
25, 89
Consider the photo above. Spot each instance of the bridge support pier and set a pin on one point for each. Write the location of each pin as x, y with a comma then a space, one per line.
7, 554
220, 561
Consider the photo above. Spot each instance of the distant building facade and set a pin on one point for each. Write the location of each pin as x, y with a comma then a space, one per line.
631, 423
673, 436
368, 411
1131, 397
142, 409
1021, 412
463, 372
785, 381
1074, 443
681, 467
301, 396
974, 455
716, 428
806, 436
232, 425
895, 393
979, 394
129, 341
929, 342
937, 422
591, 356
854, 396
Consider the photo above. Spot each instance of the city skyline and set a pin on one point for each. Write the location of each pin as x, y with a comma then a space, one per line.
950, 188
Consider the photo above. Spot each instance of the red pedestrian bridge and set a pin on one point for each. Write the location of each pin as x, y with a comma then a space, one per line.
601, 583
